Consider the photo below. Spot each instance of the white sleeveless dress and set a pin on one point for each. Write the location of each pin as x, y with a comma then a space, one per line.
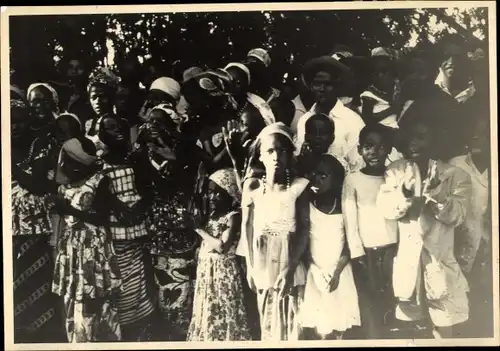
328, 311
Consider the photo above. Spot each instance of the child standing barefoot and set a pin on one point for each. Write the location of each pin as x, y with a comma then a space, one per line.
219, 309
330, 305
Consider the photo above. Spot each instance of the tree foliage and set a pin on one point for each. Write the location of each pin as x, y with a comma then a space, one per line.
38, 43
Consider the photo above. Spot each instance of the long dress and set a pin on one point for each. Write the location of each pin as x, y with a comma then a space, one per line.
174, 241
86, 272
134, 302
274, 227
219, 308
328, 311
36, 313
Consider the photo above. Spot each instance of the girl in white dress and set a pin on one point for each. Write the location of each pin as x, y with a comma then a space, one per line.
275, 232
330, 305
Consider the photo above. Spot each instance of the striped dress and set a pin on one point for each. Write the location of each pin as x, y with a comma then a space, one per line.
134, 304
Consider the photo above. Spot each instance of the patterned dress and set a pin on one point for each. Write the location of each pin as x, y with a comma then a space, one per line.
36, 318
86, 272
175, 246
219, 308
134, 303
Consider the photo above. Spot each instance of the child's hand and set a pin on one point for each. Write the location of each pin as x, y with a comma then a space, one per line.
334, 282
408, 183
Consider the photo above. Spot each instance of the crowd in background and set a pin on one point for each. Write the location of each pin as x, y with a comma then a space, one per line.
215, 206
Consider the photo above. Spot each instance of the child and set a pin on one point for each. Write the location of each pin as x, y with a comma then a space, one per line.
219, 310
315, 137
130, 197
275, 227
330, 305
429, 198
371, 244
86, 273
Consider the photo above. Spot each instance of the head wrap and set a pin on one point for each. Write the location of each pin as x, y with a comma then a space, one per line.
241, 67
190, 73
72, 115
168, 85
276, 128
169, 110
53, 93
261, 55
226, 179
385, 52
103, 76
73, 149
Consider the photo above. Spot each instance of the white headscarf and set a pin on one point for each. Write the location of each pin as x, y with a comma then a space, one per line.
55, 96
168, 86
241, 67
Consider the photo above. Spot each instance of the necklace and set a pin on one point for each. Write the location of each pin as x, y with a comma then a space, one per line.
287, 182
240, 111
315, 203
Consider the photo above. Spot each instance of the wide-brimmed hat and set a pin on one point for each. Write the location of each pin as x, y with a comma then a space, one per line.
324, 63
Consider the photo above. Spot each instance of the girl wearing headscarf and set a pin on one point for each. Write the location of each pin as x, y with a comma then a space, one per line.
169, 160
86, 272
275, 231
131, 197
163, 90
219, 309
102, 87
36, 320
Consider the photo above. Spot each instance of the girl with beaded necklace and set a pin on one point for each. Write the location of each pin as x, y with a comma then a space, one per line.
275, 227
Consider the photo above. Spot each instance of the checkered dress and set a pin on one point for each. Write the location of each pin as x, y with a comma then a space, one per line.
124, 188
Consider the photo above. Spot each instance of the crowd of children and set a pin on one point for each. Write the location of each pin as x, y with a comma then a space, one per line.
220, 209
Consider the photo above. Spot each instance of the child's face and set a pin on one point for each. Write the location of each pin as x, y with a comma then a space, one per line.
114, 132
318, 136
323, 180
418, 142
40, 104
217, 197
374, 151
274, 154
99, 100
122, 99
157, 123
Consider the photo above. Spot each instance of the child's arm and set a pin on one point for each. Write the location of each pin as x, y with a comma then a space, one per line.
350, 214
451, 200
247, 213
223, 244
344, 260
394, 198
301, 241
367, 110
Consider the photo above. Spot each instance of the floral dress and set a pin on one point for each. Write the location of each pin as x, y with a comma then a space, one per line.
219, 308
86, 271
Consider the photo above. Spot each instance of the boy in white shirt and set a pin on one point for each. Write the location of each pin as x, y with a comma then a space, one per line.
371, 244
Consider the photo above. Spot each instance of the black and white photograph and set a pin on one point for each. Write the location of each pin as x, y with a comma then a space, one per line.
200, 175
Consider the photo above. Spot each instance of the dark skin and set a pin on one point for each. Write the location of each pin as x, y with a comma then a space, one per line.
318, 138
325, 196
323, 88
374, 151
101, 100
455, 70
